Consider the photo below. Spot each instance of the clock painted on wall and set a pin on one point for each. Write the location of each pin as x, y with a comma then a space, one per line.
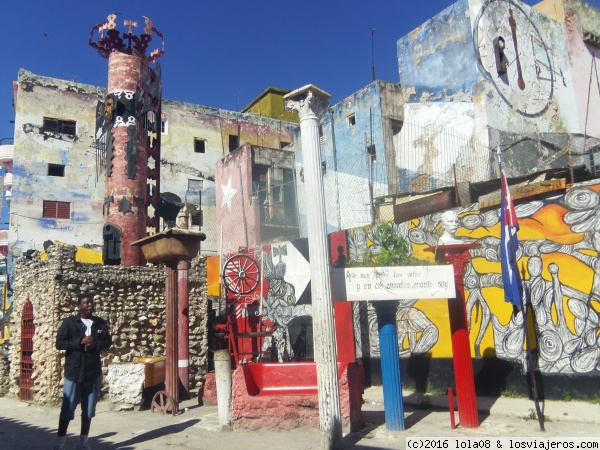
511, 53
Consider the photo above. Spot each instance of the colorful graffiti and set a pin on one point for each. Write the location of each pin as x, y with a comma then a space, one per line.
267, 302
559, 260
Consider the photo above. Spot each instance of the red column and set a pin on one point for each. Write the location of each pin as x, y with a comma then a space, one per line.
171, 373
458, 255
127, 208
183, 345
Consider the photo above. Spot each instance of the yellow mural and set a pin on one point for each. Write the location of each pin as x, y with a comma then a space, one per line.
559, 263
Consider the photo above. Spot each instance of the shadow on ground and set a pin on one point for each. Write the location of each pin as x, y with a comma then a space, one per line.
16, 434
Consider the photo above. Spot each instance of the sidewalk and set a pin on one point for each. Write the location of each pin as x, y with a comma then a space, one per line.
24, 426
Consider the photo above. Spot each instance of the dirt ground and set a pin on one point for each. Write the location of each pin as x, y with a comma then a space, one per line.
24, 426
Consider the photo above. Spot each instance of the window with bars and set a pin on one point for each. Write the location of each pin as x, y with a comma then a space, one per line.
197, 219
56, 210
60, 126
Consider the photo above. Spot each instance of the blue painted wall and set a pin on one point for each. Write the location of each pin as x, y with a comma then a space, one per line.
437, 58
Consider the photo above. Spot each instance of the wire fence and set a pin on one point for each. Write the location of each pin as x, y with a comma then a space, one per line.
432, 157
424, 158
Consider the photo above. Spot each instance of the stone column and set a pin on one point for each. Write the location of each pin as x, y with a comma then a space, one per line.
310, 102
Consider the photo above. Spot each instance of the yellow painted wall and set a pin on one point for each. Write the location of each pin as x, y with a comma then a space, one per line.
270, 104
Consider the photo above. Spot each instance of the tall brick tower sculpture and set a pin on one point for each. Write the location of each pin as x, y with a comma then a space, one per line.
128, 126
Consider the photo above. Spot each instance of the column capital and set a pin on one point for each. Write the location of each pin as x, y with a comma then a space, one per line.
308, 101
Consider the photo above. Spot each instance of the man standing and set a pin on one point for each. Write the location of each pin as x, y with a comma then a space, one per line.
83, 337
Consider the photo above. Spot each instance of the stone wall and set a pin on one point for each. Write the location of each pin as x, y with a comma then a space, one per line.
4, 366
131, 299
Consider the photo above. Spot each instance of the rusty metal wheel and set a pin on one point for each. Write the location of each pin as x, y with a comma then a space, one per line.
163, 402
241, 274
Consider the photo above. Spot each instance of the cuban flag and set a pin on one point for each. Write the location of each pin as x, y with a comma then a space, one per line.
513, 288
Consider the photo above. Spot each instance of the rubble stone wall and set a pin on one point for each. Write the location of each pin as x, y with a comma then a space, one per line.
131, 299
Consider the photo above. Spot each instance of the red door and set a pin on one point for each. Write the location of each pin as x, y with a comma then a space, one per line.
27, 331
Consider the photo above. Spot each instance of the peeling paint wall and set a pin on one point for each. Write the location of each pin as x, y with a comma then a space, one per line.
237, 213
582, 18
436, 60
350, 129
450, 79
34, 149
40, 97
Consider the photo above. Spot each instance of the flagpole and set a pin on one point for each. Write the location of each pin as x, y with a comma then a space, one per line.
531, 367
524, 293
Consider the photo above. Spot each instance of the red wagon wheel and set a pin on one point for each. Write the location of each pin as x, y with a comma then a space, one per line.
241, 274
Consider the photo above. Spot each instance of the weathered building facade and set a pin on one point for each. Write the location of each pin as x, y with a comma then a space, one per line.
440, 127
501, 74
55, 160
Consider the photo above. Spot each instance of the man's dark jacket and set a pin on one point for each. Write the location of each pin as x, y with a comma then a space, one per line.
79, 364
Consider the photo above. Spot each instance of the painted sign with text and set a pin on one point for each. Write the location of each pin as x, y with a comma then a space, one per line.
394, 283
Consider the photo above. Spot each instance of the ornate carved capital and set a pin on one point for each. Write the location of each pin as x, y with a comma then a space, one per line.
308, 102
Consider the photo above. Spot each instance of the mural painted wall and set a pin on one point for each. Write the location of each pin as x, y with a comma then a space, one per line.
267, 289
237, 216
35, 149
558, 256
501, 73
184, 124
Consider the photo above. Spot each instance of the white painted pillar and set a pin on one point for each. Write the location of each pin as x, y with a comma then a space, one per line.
223, 380
311, 102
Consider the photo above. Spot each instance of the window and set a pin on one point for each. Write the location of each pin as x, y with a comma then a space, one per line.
371, 152
234, 142
197, 218
56, 170
164, 126
321, 138
199, 145
59, 126
111, 245
351, 120
56, 210
396, 126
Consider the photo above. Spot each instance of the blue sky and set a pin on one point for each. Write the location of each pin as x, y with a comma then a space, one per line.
219, 53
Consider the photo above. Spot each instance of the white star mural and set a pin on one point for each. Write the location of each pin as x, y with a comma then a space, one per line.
228, 193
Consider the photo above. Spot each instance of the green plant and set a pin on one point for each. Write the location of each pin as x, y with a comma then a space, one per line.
393, 250
567, 397
431, 389
533, 416
511, 394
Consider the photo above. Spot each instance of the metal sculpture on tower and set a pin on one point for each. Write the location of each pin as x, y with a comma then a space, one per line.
128, 129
